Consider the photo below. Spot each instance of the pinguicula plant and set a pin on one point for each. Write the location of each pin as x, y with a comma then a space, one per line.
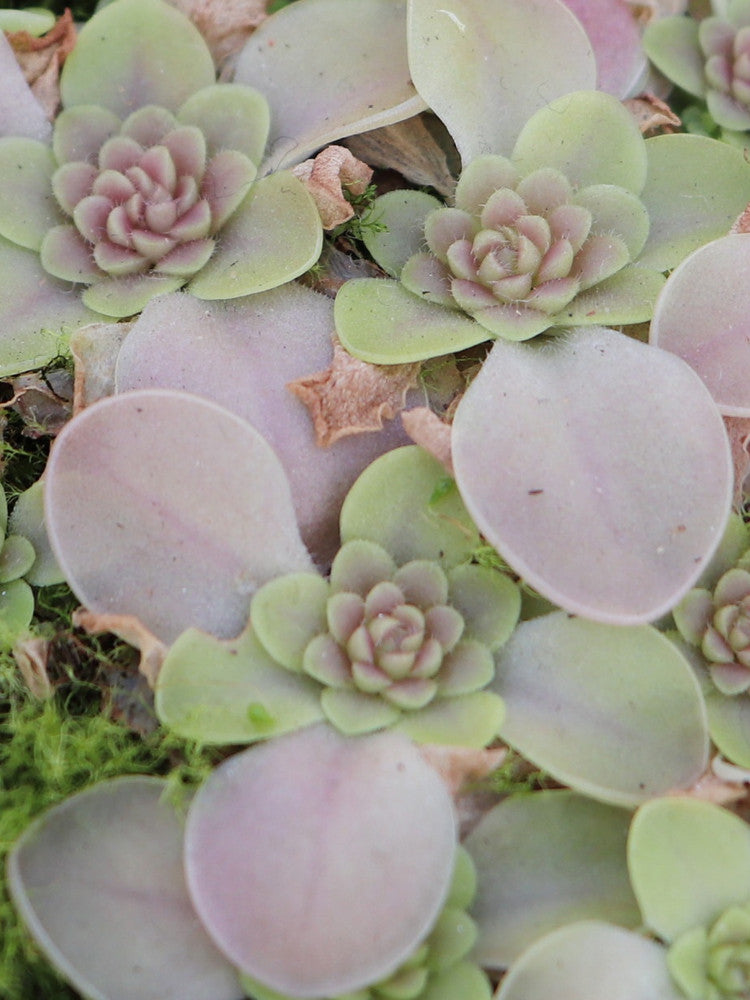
224, 881
336, 609
710, 60
563, 217
693, 904
145, 185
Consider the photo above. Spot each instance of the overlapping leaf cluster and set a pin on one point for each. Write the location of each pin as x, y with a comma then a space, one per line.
341, 609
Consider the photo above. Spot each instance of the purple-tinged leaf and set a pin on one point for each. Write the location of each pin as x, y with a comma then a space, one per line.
506, 53
308, 862
167, 507
329, 69
99, 881
242, 354
572, 459
703, 316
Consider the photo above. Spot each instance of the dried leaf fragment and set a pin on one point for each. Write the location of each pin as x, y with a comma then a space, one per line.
426, 429
41, 60
738, 430
458, 766
326, 176
131, 630
352, 396
742, 224
652, 115
32, 657
95, 348
420, 149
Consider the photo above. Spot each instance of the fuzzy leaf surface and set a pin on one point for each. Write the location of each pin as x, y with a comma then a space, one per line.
550, 476
508, 67
320, 809
145, 474
597, 706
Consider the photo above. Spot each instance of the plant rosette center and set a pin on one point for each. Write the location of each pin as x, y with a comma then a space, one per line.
713, 963
515, 251
151, 204
718, 623
383, 640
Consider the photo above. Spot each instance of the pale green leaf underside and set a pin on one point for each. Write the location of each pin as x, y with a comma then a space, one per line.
588, 961
378, 321
135, 53
695, 190
671, 43
231, 692
543, 861
36, 320
589, 136
615, 712
16, 610
27, 519
402, 215
400, 503
274, 236
689, 860
27, 206
468, 720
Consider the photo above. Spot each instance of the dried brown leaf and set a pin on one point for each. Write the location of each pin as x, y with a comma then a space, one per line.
646, 11
738, 430
131, 630
742, 224
95, 348
44, 402
419, 149
352, 396
652, 115
41, 60
32, 657
427, 430
335, 267
225, 24
326, 176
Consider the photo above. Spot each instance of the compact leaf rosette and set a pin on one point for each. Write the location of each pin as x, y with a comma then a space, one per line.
148, 184
710, 59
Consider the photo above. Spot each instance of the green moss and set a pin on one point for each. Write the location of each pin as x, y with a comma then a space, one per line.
48, 751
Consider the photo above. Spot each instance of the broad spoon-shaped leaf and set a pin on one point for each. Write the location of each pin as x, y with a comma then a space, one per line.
99, 882
703, 315
329, 68
170, 508
614, 712
598, 467
318, 862
241, 354
511, 57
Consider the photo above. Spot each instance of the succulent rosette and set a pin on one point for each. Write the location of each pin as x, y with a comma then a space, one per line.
387, 642
148, 185
517, 250
713, 962
718, 622
709, 59
551, 235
